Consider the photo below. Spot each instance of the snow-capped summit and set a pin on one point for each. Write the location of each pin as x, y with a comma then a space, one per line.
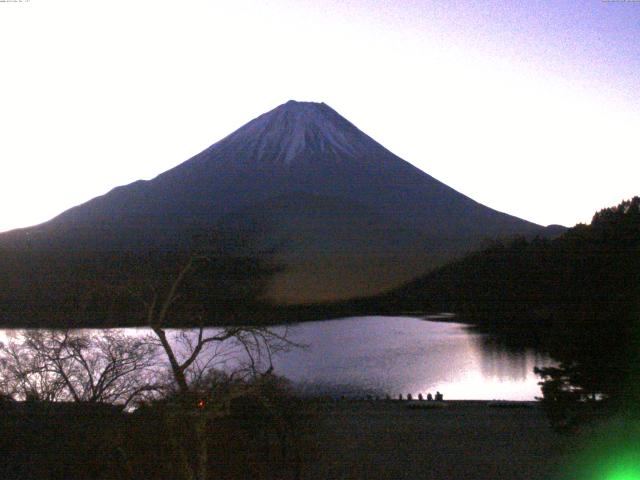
287, 133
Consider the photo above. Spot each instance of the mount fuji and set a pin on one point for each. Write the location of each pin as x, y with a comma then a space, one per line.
345, 216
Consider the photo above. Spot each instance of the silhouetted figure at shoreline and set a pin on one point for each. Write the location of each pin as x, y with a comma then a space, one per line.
439, 397
429, 397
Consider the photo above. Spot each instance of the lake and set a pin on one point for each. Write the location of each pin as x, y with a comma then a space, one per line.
400, 355
382, 356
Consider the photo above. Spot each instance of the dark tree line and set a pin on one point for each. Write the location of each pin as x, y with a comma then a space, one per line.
576, 296
50, 287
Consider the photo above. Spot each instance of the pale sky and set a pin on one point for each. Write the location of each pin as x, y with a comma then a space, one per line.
531, 108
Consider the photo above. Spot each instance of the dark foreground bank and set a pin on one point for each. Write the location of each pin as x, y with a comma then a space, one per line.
325, 440
455, 440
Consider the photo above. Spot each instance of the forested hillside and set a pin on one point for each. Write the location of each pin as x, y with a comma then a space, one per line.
576, 296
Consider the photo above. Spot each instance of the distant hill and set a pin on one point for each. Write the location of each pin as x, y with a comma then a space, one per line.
586, 275
343, 215
576, 297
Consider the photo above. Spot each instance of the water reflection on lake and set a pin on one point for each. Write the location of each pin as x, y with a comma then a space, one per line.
393, 355
400, 355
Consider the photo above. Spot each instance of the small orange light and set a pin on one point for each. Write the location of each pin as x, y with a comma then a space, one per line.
201, 403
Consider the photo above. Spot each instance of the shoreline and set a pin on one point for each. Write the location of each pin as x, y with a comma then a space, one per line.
424, 403
475, 439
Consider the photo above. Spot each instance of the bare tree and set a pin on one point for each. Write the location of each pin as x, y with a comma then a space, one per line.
73, 365
193, 355
25, 374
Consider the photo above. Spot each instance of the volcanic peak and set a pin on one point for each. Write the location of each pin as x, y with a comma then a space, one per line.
291, 129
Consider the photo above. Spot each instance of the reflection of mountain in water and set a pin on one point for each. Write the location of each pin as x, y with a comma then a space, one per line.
506, 361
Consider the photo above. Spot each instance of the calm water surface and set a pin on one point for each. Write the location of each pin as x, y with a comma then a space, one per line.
400, 355
393, 355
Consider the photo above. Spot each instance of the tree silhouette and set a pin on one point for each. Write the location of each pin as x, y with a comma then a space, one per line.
91, 367
576, 297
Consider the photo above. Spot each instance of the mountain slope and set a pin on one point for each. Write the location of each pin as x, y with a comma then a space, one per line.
346, 216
